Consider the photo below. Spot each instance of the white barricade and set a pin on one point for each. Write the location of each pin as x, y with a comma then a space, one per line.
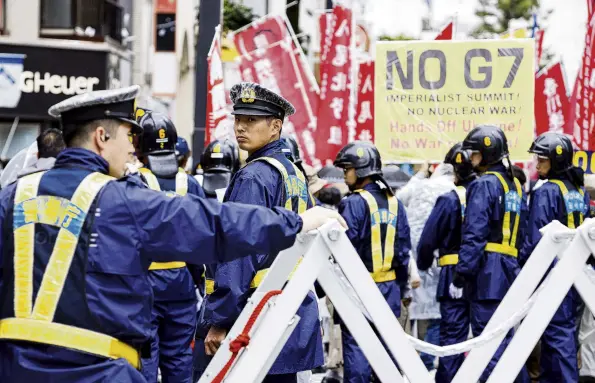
329, 258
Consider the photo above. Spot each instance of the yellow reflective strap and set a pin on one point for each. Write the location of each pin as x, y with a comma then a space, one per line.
209, 286
302, 203
384, 276
517, 221
166, 265
288, 187
24, 240
377, 263
151, 179
391, 233
448, 260
181, 182
502, 249
506, 232
259, 277
57, 334
59, 263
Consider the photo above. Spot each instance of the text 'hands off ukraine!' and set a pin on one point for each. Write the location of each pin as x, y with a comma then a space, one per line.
429, 95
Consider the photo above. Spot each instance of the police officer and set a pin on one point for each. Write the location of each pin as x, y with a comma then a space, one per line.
219, 162
492, 232
182, 152
442, 232
77, 243
563, 198
174, 297
269, 179
379, 231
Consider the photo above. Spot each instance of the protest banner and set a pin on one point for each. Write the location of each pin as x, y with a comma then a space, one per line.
585, 160
429, 95
551, 100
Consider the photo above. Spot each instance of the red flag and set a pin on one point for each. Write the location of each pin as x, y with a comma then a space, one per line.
538, 48
216, 96
447, 32
335, 90
582, 112
551, 100
365, 102
269, 58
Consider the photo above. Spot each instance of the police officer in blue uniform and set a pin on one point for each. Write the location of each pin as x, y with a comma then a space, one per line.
174, 296
379, 231
269, 179
492, 232
219, 162
77, 241
563, 198
442, 232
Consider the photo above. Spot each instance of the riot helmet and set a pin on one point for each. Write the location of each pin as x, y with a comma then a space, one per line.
362, 156
460, 161
158, 144
488, 140
219, 161
291, 150
557, 148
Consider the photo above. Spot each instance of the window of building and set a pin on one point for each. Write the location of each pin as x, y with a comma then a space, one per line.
81, 19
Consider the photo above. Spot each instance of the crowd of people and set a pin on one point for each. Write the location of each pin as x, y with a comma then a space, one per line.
118, 265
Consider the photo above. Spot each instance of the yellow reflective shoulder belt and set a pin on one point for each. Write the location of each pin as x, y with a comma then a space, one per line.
151, 179
564, 190
382, 266
24, 240
181, 182
508, 245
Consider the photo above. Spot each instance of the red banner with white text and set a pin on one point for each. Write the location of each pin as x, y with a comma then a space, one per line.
216, 96
551, 100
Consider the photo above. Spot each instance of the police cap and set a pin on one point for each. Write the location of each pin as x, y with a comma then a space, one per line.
557, 148
251, 99
117, 104
158, 144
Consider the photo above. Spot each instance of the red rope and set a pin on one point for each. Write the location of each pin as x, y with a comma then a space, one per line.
243, 339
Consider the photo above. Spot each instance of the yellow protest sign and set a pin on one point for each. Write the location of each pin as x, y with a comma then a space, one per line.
429, 95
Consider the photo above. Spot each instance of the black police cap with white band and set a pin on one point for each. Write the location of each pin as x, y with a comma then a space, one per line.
117, 104
251, 99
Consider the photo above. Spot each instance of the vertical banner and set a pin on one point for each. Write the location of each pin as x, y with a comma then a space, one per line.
580, 121
447, 32
429, 95
268, 57
337, 80
216, 96
365, 102
551, 100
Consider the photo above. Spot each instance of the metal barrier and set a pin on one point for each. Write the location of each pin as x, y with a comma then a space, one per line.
329, 258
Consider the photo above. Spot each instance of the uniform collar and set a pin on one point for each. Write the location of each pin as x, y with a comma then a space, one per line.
271, 148
82, 158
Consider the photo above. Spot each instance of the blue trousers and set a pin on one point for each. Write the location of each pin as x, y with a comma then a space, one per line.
173, 327
432, 337
558, 344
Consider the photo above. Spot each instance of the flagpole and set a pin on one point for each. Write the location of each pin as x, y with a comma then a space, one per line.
353, 72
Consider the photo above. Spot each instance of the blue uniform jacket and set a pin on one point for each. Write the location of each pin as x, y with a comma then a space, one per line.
546, 205
132, 226
488, 274
184, 279
354, 210
443, 232
258, 183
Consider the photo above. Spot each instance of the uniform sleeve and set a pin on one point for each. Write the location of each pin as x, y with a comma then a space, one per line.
195, 188
232, 279
541, 212
476, 228
353, 209
199, 230
441, 218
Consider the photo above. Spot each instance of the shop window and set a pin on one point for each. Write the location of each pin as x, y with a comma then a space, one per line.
81, 19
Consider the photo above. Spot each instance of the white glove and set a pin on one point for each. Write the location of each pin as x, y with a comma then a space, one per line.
455, 292
318, 216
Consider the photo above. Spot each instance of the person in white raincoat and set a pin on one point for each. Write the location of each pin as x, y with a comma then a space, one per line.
419, 197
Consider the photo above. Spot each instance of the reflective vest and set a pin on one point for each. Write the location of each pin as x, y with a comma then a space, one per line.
382, 269
296, 198
510, 223
574, 201
453, 259
181, 190
35, 320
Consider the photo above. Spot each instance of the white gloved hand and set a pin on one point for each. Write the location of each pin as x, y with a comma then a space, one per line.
455, 292
317, 216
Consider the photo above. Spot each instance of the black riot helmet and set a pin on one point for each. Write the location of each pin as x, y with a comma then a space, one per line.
488, 140
219, 161
158, 144
557, 148
461, 162
362, 156
291, 150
